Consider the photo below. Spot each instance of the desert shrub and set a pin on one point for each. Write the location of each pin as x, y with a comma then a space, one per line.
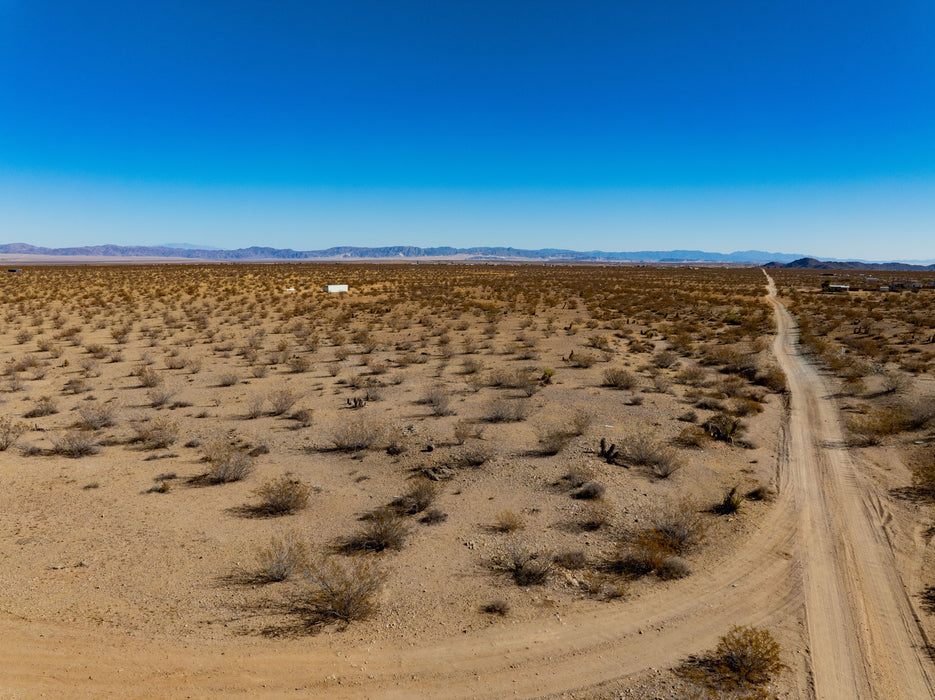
96, 416
419, 497
508, 521
677, 527
227, 462
228, 379
645, 450
746, 407
759, 493
528, 568
553, 439
580, 422
74, 443
282, 400
303, 417
75, 385
299, 364
725, 427
439, 401
673, 568
10, 432
589, 491
158, 433
582, 360
506, 411
872, 427
283, 496
148, 376
254, 406
44, 406
572, 559
474, 456
772, 377
730, 503
383, 529
433, 516
356, 435
692, 436
594, 516
284, 557
617, 378
746, 656
496, 607
463, 430
923, 477
345, 590
159, 396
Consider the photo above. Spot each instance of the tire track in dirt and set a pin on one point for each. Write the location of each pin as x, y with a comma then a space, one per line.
824, 536
864, 638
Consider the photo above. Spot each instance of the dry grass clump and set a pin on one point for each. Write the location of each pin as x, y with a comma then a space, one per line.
465, 430
96, 416
725, 427
595, 516
553, 439
284, 557
506, 411
148, 376
74, 444
730, 504
589, 491
617, 378
282, 400
474, 456
645, 450
10, 432
384, 529
44, 406
155, 434
283, 496
438, 399
359, 434
418, 498
228, 462
508, 521
345, 590
527, 567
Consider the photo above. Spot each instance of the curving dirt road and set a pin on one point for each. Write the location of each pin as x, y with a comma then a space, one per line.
822, 548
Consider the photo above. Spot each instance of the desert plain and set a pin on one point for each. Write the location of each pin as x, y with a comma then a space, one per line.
464, 480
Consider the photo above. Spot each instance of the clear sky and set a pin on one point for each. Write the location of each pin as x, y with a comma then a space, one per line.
804, 127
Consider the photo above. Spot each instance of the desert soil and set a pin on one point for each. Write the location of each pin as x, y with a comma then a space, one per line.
818, 566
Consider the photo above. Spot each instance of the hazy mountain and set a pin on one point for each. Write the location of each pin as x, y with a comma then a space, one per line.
813, 264
189, 251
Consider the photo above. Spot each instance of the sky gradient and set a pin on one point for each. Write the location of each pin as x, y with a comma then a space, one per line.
721, 126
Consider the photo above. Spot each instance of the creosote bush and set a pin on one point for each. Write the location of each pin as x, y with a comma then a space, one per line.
74, 443
285, 556
227, 461
746, 656
10, 432
384, 529
283, 496
618, 378
508, 521
528, 568
345, 589
155, 434
96, 416
418, 498
359, 434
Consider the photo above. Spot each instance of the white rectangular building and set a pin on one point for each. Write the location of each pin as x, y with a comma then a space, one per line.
331, 288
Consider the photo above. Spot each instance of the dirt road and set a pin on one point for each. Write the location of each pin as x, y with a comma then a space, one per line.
823, 549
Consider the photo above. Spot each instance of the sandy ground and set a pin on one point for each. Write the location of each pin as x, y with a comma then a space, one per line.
112, 592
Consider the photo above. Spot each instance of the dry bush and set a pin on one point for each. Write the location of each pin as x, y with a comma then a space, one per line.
506, 411
678, 527
227, 461
159, 396
284, 557
439, 401
589, 491
158, 433
10, 432
496, 607
384, 529
345, 590
594, 516
228, 379
618, 378
553, 439
582, 360
725, 427
580, 422
283, 496
872, 427
299, 364
360, 434
692, 436
148, 376
572, 560
464, 430
528, 568
745, 657
508, 521
255, 404
303, 417
645, 450
74, 443
730, 504
44, 406
96, 416
417, 499
673, 568
282, 400
474, 456
923, 477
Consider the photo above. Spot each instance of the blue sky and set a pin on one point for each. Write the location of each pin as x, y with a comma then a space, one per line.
793, 126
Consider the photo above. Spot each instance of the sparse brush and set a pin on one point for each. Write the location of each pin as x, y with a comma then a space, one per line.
96, 416
74, 444
44, 406
254, 406
572, 560
356, 435
282, 400
746, 656
730, 504
284, 557
678, 527
617, 378
418, 498
506, 411
692, 436
345, 590
148, 376
527, 567
228, 379
384, 529
10, 431
439, 401
496, 607
474, 456
464, 430
508, 521
589, 491
158, 433
725, 427
553, 439
283, 496
227, 462
160, 396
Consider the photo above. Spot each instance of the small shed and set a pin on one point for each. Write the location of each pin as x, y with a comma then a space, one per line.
839, 288
332, 288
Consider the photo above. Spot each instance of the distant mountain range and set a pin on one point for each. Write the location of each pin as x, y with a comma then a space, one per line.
256, 253
813, 264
